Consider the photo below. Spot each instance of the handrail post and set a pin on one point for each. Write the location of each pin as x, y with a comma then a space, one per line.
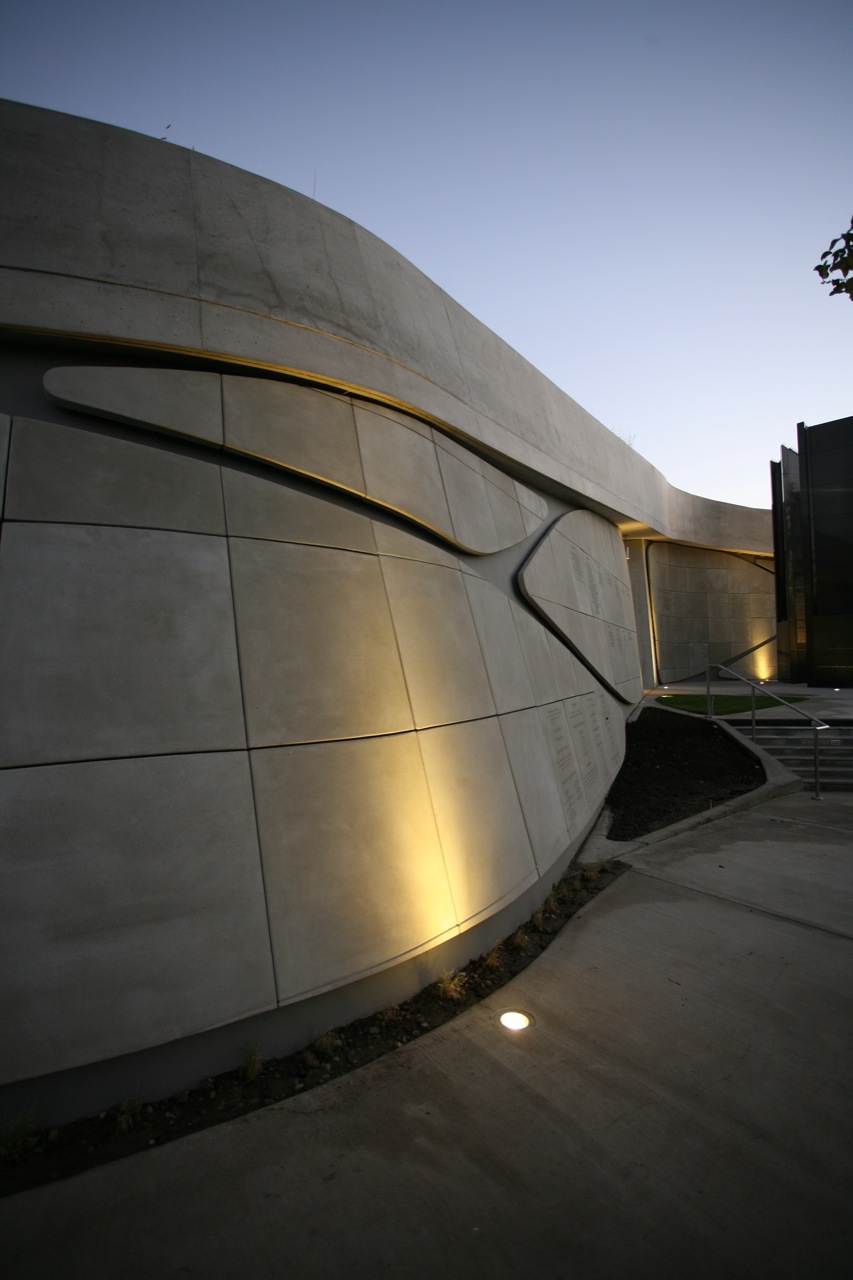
817, 725
815, 732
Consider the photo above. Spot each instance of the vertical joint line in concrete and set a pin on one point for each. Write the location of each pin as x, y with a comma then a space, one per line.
246, 724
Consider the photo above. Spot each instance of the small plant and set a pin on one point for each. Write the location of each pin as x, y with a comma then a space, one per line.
451, 985
551, 903
518, 941
391, 1014
590, 875
492, 958
564, 891
538, 919
16, 1135
253, 1063
128, 1113
327, 1044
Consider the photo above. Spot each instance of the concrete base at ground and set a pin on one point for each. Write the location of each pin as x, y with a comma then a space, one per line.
680, 1107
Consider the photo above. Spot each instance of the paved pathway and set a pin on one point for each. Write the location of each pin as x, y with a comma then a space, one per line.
681, 1107
826, 704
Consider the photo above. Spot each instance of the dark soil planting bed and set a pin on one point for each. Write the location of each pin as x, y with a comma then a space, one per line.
675, 766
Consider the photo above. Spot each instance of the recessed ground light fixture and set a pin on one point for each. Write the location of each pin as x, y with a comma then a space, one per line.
836, 691
515, 1020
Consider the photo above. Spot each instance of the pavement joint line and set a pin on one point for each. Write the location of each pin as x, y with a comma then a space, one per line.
806, 822
742, 902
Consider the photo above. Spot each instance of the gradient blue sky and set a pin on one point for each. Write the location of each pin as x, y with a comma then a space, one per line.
632, 194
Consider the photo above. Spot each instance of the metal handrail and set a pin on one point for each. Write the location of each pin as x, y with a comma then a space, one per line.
817, 724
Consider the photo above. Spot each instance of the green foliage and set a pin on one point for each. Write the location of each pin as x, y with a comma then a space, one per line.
725, 704
836, 264
253, 1063
451, 985
327, 1044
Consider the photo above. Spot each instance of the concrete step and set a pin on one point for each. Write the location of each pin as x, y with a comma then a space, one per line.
793, 746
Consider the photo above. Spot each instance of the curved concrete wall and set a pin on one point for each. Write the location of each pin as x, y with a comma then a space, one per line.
146, 243
315, 622
248, 715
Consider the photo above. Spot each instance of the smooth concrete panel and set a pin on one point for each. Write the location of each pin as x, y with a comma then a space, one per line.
71, 476
257, 254
353, 867
158, 245
486, 847
538, 789
318, 654
5, 428
411, 312
272, 508
718, 629
175, 400
586, 634
581, 713
532, 504
467, 494
761, 605
503, 495
402, 544
395, 416
737, 607
565, 767
68, 304
401, 470
120, 204
737, 581
533, 523
578, 578
312, 432
507, 515
624, 657
539, 655
132, 907
612, 718
505, 665
720, 605
115, 642
541, 581
569, 675
438, 642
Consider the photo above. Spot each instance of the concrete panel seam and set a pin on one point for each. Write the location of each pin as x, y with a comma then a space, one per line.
246, 733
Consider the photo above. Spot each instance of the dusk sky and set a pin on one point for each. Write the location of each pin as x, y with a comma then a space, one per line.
633, 195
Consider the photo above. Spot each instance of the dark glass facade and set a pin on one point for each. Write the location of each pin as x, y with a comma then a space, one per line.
813, 544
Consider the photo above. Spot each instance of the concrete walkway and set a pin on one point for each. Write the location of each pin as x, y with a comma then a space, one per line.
826, 704
681, 1107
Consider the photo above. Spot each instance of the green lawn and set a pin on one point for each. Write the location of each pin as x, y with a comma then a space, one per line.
725, 704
